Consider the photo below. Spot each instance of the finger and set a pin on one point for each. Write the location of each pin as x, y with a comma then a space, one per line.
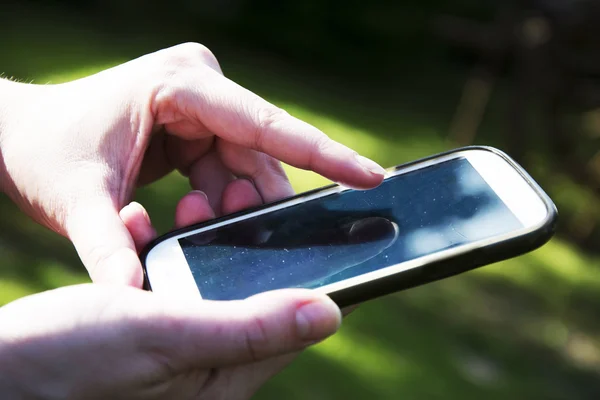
182, 154
239, 116
239, 195
210, 176
266, 172
193, 208
155, 164
216, 333
168, 152
104, 244
137, 221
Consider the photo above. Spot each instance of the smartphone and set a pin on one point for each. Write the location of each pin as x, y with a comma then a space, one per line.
429, 219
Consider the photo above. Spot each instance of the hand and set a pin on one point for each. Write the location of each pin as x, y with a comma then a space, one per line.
114, 342
73, 153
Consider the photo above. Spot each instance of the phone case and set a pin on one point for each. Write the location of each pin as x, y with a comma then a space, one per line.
453, 265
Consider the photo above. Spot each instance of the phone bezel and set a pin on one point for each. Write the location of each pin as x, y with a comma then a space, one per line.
165, 262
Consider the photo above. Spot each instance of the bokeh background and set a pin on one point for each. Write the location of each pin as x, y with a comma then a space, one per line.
396, 80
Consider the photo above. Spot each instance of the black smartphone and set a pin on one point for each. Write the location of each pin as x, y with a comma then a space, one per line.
428, 220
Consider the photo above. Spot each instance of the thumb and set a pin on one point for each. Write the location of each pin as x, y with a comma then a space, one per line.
104, 244
211, 334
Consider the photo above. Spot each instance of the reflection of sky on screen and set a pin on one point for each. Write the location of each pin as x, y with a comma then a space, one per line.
349, 234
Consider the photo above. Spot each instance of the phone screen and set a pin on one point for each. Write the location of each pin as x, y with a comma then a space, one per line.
347, 234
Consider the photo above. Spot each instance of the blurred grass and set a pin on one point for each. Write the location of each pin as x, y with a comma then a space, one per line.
527, 328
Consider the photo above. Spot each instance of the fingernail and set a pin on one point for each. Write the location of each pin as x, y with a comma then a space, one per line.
370, 165
317, 320
200, 192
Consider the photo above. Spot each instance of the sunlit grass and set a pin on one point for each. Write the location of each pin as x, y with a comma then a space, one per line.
559, 265
373, 362
11, 289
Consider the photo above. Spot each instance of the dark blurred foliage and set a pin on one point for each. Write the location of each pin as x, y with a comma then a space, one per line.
348, 36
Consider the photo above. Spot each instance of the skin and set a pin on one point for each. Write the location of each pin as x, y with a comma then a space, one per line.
169, 110
71, 156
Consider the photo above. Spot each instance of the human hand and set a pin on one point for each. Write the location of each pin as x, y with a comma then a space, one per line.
100, 341
73, 153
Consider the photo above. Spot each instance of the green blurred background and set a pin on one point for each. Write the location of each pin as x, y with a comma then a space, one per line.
396, 81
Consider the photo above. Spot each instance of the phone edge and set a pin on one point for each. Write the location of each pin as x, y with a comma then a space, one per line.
412, 278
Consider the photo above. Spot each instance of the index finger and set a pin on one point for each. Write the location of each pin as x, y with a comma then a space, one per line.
241, 117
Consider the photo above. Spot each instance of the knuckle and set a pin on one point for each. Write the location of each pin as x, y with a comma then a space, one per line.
188, 54
271, 114
97, 259
320, 144
175, 58
256, 339
177, 65
101, 260
266, 117
205, 54
274, 166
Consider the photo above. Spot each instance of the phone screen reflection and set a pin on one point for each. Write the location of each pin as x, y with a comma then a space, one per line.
348, 234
